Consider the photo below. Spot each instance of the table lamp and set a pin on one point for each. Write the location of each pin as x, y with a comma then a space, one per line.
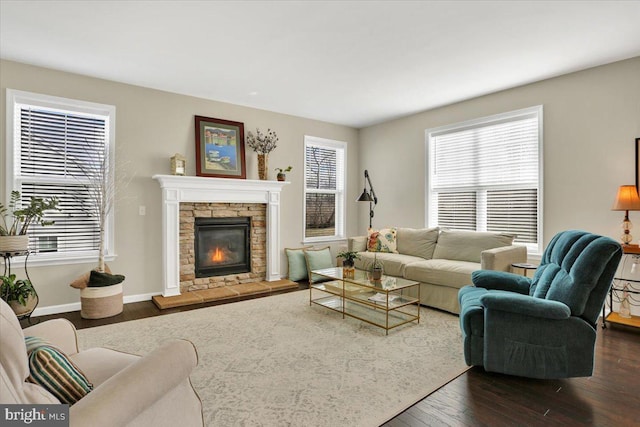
627, 200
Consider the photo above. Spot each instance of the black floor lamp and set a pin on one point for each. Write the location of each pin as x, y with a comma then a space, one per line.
368, 196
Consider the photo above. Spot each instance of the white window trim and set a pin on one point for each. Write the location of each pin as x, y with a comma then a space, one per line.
533, 251
16, 97
340, 201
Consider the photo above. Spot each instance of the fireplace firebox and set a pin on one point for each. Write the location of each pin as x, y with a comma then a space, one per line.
222, 246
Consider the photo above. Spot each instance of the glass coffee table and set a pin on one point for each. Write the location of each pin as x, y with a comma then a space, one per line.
384, 303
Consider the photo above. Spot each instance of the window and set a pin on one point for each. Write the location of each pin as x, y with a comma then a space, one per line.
485, 175
324, 173
57, 147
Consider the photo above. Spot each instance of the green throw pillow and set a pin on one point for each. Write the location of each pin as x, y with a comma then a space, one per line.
297, 264
316, 260
50, 368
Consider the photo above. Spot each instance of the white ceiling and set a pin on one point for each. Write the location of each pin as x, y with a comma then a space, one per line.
351, 62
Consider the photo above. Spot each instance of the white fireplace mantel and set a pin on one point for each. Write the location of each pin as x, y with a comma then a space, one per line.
189, 189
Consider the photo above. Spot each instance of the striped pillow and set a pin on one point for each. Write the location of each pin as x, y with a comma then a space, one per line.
50, 368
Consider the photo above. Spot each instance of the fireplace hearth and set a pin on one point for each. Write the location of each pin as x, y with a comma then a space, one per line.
222, 246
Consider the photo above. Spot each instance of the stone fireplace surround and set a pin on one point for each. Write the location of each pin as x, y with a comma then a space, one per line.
177, 190
188, 214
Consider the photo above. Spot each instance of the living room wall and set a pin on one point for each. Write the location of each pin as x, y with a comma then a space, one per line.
151, 126
591, 120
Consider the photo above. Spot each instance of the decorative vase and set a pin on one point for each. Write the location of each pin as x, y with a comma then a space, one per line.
14, 243
348, 270
625, 307
263, 160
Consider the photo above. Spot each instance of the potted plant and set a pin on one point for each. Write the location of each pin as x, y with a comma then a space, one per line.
262, 144
19, 294
16, 219
282, 173
348, 258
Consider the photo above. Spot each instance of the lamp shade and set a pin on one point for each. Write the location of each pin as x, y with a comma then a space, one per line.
365, 197
627, 199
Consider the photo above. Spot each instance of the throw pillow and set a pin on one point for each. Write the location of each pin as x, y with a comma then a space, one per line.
50, 368
383, 240
82, 281
297, 264
318, 259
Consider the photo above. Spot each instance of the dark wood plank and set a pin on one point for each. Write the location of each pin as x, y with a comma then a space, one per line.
611, 397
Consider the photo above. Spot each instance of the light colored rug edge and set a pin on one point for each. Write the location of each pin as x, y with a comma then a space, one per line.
382, 418
394, 412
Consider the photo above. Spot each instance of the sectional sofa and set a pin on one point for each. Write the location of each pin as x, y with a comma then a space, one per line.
441, 260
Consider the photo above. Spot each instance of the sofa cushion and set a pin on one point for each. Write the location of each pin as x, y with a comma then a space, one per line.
443, 272
468, 245
383, 240
297, 264
50, 368
419, 242
392, 264
317, 259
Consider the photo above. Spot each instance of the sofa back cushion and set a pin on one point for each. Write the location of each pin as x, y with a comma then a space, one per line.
468, 245
577, 269
417, 242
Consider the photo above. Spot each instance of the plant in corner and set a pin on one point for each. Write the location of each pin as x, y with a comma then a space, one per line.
17, 218
282, 173
18, 293
262, 144
97, 176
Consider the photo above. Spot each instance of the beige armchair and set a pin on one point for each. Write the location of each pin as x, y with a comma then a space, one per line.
129, 390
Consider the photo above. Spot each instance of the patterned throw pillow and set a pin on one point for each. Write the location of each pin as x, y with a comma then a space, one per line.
383, 240
50, 368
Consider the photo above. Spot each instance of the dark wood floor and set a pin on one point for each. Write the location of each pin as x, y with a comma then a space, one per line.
611, 397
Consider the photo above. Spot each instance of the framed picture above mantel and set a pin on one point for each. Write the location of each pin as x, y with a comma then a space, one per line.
220, 148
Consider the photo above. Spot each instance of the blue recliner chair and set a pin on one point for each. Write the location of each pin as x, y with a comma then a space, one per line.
544, 327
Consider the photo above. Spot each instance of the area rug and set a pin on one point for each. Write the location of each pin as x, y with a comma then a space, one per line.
277, 361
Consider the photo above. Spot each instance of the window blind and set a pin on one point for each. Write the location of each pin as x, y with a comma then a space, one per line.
60, 152
484, 175
324, 188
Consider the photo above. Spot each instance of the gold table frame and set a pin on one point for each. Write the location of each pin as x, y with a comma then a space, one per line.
353, 297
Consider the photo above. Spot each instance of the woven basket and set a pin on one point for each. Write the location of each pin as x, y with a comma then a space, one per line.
98, 303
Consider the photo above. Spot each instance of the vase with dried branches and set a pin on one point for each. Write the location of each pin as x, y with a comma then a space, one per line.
263, 144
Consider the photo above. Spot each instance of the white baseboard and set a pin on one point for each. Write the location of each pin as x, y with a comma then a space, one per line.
75, 306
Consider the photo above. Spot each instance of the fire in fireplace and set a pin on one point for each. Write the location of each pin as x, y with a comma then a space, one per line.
222, 246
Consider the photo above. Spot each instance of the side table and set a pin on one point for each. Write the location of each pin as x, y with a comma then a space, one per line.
618, 287
524, 266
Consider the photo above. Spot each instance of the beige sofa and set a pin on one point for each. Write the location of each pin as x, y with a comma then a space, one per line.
441, 260
129, 390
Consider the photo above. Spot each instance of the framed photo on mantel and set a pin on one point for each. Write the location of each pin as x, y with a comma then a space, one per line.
220, 148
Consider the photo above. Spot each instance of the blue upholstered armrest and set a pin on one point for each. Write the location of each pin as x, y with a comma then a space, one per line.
501, 281
525, 305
